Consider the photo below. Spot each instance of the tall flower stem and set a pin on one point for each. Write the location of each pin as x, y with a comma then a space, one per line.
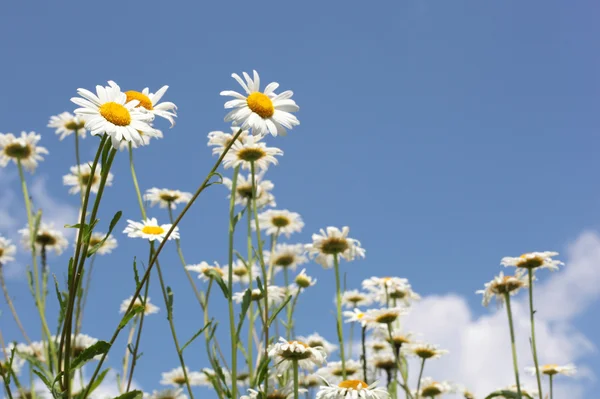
250, 284
420, 376
11, 306
551, 388
399, 360
78, 160
126, 356
338, 296
533, 346
264, 272
146, 275
512, 343
83, 295
232, 327
350, 339
295, 379
364, 352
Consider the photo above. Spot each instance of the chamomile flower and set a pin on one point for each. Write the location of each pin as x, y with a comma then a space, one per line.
378, 344
240, 272
36, 349
251, 151
244, 194
47, 237
81, 342
355, 316
176, 377
334, 242
285, 255
285, 353
376, 284
534, 260
284, 222
553, 369
303, 280
352, 389
206, 272
150, 229
525, 391
502, 285
315, 340
383, 316
146, 136
5, 367
333, 370
108, 111
425, 351
150, 102
7, 250
398, 339
148, 308
66, 124
354, 298
263, 112
165, 197
384, 360
81, 177
281, 392
310, 381
107, 246
275, 293
433, 389
23, 150
220, 140
170, 393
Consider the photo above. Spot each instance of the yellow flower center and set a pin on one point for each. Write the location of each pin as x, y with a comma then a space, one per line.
1, 252
284, 260
280, 221
360, 315
168, 197
431, 391
386, 318
240, 271
179, 380
529, 262
385, 364
261, 104
302, 281
145, 102
353, 384
334, 245
153, 230
211, 268
251, 154
16, 150
45, 239
94, 241
115, 114
245, 191
73, 125
550, 369
86, 179
424, 353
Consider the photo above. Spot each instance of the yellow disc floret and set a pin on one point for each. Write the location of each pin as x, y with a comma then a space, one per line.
145, 102
154, 230
261, 104
115, 114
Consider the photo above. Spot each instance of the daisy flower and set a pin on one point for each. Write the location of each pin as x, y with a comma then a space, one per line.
249, 151
281, 222
22, 149
315, 340
150, 103
47, 237
244, 194
425, 351
333, 370
176, 377
171, 393
534, 260
502, 285
383, 316
334, 242
285, 353
36, 349
17, 365
310, 381
285, 255
220, 140
7, 251
378, 345
165, 197
148, 308
79, 343
276, 295
399, 338
355, 315
381, 283
66, 124
303, 280
281, 392
354, 298
405, 294
352, 389
106, 247
240, 272
263, 112
433, 389
206, 271
153, 133
81, 176
108, 111
525, 391
553, 369
150, 230
384, 360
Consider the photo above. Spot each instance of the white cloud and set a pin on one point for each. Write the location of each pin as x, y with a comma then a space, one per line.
480, 355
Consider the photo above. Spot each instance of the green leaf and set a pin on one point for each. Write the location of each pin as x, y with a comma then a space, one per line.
99, 348
261, 372
507, 395
112, 225
212, 273
246, 301
134, 311
44, 379
195, 336
403, 367
259, 284
237, 217
279, 309
131, 395
136, 275
94, 385
62, 301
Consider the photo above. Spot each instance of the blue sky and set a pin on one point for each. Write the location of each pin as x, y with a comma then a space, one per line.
445, 134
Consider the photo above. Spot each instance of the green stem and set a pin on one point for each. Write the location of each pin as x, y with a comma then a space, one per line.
78, 160
419, 380
533, 346
126, 356
512, 343
250, 283
551, 388
351, 338
295, 379
146, 275
364, 353
232, 327
338, 293
83, 295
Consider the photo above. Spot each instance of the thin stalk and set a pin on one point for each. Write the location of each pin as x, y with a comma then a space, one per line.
82, 298
364, 352
77, 159
512, 343
295, 379
232, 327
533, 346
126, 356
350, 340
338, 294
290, 316
134, 356
398, 366
551, 388
146, 275
420, 376
11, 305
250, 281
